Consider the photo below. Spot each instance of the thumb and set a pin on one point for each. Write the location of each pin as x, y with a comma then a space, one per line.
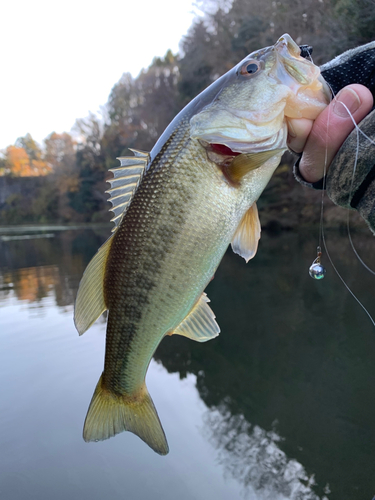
331, 128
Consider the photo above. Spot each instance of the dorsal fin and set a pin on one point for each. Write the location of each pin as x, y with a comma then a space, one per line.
90, 302
125, 181
140, 154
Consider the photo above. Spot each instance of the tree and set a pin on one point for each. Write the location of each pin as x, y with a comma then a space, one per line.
90, 199
24, 159
38, 165
138, 110
60, 152
61, 156
354, 22
17, 162
159, 98
30, 146
197, 66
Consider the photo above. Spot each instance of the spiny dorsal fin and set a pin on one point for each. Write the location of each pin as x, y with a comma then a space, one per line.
246, 162
140, 154
246, 237
199, 324
90, 302
125, 181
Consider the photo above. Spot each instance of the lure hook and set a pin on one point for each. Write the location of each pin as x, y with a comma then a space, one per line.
316, 270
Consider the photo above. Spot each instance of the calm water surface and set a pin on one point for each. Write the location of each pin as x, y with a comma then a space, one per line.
280, 406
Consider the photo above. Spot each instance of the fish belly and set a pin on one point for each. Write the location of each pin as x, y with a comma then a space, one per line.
163, 255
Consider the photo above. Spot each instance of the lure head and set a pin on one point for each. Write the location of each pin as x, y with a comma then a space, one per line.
317, 271
254, 100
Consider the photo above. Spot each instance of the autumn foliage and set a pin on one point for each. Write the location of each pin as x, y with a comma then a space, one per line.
139, 109
18, 163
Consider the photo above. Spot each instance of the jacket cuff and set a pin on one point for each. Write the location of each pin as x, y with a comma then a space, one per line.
298, 176
352, 185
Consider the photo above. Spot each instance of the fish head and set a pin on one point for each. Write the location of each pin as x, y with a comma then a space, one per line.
251, 104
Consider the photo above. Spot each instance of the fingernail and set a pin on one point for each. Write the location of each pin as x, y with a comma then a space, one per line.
346, 100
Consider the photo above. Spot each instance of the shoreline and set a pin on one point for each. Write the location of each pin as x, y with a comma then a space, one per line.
39, 228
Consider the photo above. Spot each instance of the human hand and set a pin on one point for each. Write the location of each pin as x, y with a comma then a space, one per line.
320, 140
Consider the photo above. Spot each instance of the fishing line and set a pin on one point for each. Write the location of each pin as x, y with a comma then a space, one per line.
358, 131
343, 281
317, 270
321, 224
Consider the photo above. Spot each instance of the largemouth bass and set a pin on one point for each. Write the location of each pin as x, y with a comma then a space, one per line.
176, 211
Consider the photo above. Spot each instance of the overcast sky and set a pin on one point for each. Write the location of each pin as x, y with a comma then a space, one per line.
60, 60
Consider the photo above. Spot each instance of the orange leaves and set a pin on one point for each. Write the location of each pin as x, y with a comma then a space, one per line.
17, 163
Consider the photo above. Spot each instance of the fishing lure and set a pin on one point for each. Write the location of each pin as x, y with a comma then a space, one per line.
350, 185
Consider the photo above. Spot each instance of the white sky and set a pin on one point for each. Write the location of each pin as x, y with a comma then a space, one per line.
59, 60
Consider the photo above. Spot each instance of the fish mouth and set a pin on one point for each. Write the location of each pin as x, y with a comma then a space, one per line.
287, 42
302, 77
288, 53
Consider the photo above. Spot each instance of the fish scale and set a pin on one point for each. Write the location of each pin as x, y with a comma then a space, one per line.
168, 232
176, 211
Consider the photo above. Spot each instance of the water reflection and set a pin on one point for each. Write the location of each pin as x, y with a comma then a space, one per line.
253, 456
294, 351
36, 268
30, 284
288, 385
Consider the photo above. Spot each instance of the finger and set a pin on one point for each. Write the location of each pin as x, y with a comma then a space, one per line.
298, 132
331, 128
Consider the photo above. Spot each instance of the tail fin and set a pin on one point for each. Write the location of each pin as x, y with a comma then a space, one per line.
109, 414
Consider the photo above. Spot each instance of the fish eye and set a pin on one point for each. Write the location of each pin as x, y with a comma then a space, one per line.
250, 68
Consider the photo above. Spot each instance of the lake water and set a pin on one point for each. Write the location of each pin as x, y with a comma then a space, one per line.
280, 406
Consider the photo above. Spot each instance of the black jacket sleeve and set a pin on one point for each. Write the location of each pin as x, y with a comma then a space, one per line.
352, 185
346, 189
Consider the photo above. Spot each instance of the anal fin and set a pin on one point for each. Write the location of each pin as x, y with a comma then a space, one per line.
199, 324
247, 235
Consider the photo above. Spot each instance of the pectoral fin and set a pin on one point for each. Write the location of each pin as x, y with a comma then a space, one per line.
246, 162
245, 240
199, 324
